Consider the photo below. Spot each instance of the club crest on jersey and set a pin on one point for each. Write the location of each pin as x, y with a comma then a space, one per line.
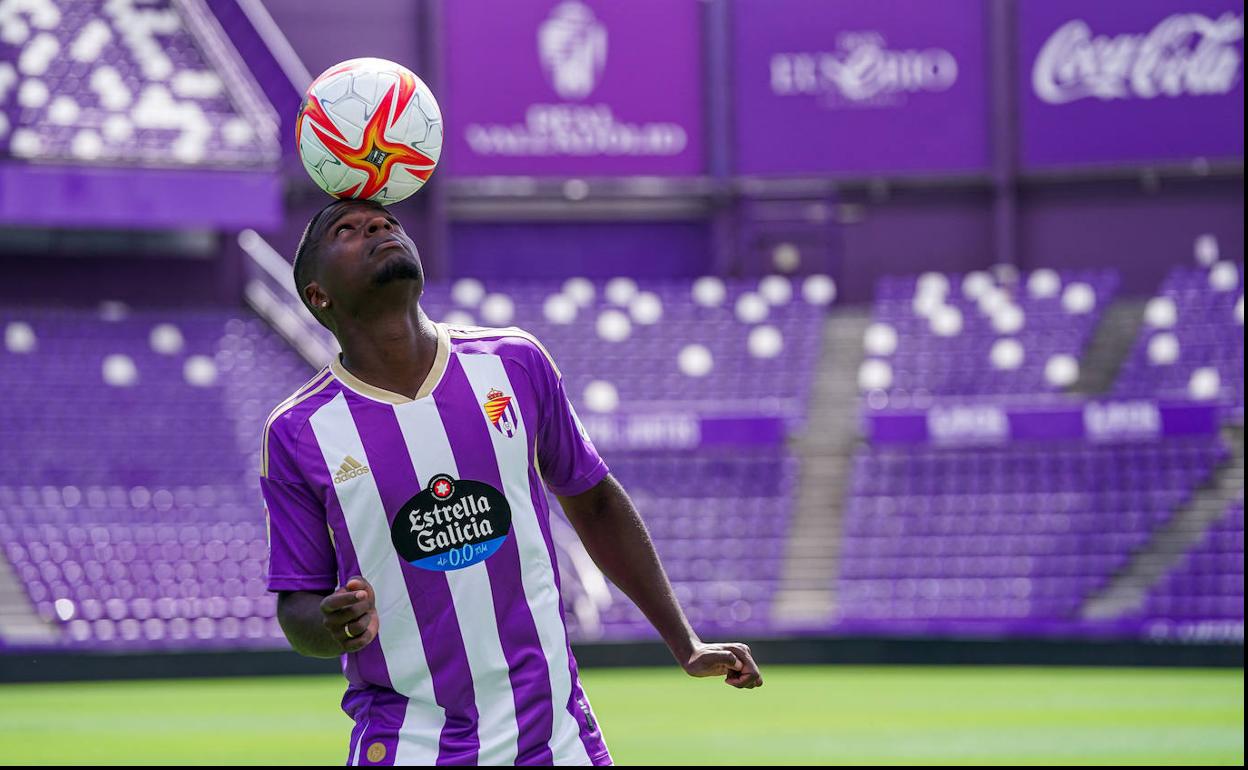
451, 524
501, 412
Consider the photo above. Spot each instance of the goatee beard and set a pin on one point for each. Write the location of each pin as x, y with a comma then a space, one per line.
397, 270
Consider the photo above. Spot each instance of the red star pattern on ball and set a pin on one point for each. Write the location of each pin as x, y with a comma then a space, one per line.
442, 488
375, 155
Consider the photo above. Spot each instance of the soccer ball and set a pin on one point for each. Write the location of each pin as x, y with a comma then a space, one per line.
369, 128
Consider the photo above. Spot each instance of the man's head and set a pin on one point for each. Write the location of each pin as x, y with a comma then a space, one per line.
349, 250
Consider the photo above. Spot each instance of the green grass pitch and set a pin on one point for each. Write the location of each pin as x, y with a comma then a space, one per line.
803, 715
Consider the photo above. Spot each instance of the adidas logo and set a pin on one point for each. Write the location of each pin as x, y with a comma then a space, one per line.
350, 469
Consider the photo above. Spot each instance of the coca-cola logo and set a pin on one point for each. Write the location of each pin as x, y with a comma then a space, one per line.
863, 71
1186, 54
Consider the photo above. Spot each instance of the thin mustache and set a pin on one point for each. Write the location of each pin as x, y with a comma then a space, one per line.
384, 241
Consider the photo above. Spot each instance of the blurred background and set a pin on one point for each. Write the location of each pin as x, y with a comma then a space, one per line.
914, 328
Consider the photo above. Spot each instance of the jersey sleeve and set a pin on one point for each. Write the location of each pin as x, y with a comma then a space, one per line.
301, 553
566, 456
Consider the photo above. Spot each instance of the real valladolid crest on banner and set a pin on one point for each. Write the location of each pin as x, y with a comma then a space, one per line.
451, 524
572, 47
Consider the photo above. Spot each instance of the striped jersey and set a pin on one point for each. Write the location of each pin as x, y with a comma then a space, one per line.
438, 502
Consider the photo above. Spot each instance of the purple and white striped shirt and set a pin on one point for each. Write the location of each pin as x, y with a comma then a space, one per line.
437, 501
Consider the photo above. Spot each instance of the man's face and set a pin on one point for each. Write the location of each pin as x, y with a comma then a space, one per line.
362, 247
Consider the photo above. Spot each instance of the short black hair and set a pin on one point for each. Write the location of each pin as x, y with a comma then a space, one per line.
307, 253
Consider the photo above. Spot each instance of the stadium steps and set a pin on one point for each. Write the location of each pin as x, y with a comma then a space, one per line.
826, 452
19, 623
1109, 348
1126, 592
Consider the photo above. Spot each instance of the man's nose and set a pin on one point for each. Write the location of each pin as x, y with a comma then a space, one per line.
378, 223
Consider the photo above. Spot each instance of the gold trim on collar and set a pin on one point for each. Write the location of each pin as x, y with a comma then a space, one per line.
381, 394
478, 332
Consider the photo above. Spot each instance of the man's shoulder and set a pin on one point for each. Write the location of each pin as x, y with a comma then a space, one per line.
508, 342
282, 425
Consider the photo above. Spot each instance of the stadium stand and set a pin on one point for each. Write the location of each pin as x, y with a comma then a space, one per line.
1192, 342
1023, 531
135, 519
983, 334
119, 82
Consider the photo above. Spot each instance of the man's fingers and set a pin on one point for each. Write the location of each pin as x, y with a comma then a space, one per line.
745, 683
747, 674
743, 653
347, 614
744, 680
341, 599
356, 628
358, 583
355, 644
709, 662
363, 632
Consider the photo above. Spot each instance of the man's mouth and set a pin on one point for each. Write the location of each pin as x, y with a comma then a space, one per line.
387, 243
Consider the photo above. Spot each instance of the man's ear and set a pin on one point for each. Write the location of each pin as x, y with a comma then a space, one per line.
316, 296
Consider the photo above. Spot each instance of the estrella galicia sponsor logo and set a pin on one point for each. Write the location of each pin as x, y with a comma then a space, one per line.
451, 524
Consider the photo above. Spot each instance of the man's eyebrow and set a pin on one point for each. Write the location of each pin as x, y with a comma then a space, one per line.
346, 208
342, 212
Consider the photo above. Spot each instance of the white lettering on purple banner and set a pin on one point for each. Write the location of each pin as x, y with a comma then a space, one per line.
577, 130
572, 48
967, 424
1186, 54
863, 72
651, 431
1118, 420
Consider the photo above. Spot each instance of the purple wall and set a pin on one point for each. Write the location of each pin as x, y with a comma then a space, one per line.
1109, 81
809, 225
592, 249
912, 232
1118, 225
325, 32
572, 87
888, 86
284, 95
157, 281
1067, 224
55, 195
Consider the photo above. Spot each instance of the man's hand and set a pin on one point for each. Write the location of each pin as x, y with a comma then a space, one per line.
350, 615
731, 660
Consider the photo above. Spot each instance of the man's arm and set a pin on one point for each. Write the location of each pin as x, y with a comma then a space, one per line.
325, 626
617, 540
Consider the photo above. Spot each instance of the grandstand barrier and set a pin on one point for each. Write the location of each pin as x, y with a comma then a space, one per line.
48, 666
683, 430
968, 424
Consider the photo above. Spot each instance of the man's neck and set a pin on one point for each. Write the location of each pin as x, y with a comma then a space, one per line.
393, 350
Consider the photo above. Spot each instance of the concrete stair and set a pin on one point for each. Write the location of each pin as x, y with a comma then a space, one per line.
1126, 592
1109, 348
826, 450
19, 623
